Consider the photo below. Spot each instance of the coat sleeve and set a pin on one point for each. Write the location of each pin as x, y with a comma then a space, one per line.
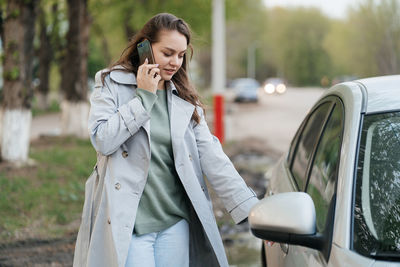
109, 125
222, 175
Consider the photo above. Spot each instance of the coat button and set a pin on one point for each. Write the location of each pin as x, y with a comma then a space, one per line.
109, 221
117, 186
190, 157
124, 154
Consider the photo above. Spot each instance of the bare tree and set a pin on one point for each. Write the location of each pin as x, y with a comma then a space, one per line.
49, 41
74, 78
17, 73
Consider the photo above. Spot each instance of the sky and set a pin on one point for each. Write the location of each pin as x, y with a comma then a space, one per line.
333, 8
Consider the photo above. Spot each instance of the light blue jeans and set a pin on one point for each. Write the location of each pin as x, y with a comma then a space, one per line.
166, 248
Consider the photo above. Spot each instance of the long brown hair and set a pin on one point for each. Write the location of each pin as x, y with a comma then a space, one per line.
129, 59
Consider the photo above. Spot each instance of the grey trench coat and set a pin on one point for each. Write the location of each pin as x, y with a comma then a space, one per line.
119, 129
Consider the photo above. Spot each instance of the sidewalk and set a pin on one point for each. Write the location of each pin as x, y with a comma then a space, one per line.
48, 124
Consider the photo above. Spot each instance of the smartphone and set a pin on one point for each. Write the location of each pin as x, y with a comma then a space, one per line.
145, 51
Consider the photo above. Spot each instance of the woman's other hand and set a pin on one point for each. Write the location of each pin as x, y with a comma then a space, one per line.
148, 76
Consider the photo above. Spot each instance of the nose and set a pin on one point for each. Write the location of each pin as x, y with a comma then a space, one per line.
174, 61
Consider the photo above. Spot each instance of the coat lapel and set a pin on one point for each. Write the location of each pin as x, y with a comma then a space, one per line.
180, 112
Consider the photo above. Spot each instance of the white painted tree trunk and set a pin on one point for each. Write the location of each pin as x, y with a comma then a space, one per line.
74, 118
16, 127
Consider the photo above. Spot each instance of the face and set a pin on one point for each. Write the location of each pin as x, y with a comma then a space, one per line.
168, 52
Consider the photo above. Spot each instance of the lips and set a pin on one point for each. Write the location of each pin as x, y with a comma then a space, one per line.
169, 71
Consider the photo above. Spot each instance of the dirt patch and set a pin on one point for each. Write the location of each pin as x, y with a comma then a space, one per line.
54, 253
13, 170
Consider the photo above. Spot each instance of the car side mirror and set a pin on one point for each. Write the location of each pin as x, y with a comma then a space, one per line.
286, 218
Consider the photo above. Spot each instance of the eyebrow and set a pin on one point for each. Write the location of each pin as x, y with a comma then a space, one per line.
173, 50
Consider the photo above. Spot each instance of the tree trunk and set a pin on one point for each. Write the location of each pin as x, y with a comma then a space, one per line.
45, 54
2, 28
17, 65
74, 70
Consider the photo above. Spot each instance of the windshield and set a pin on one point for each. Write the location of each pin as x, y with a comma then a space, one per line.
377, 200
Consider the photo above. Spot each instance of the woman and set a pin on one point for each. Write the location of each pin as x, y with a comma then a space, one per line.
147, 125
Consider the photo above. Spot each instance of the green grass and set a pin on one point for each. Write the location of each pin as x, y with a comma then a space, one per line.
42, 201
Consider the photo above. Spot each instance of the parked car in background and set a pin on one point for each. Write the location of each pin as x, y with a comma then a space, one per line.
274, 86
334, 198
245, 89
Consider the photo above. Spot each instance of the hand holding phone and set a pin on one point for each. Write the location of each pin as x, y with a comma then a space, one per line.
148, 74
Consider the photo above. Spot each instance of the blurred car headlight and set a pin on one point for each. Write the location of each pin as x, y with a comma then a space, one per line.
281, 88
269, 88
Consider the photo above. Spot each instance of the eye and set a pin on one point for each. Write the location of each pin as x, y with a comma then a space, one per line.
167, 54
181, 56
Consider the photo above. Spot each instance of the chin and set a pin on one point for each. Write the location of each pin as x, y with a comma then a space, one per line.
167, 77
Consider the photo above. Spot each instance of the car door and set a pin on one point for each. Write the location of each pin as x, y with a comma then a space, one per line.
291, 175
313, 153
321, 177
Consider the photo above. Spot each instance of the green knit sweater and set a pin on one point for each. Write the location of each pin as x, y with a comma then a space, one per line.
164, 201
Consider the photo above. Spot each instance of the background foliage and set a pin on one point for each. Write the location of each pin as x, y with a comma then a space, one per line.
302, 45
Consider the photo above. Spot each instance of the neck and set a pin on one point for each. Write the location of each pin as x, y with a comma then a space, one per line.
161, 85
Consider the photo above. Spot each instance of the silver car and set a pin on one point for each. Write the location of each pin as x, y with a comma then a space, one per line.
246, 90
334, 198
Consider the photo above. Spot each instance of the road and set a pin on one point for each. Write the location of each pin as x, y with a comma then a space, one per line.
274, 119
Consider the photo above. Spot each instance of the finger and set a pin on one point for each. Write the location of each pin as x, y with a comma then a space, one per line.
148, 67
157, 78
154, 71
143, 67
140, 69
152, 66
146, 63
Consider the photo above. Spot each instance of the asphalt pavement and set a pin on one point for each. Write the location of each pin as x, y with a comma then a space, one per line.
274, 119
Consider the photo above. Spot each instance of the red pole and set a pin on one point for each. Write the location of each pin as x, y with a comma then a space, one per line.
218, 75
219, 117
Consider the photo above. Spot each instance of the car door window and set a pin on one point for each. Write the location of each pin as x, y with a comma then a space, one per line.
322, 182
307, 141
